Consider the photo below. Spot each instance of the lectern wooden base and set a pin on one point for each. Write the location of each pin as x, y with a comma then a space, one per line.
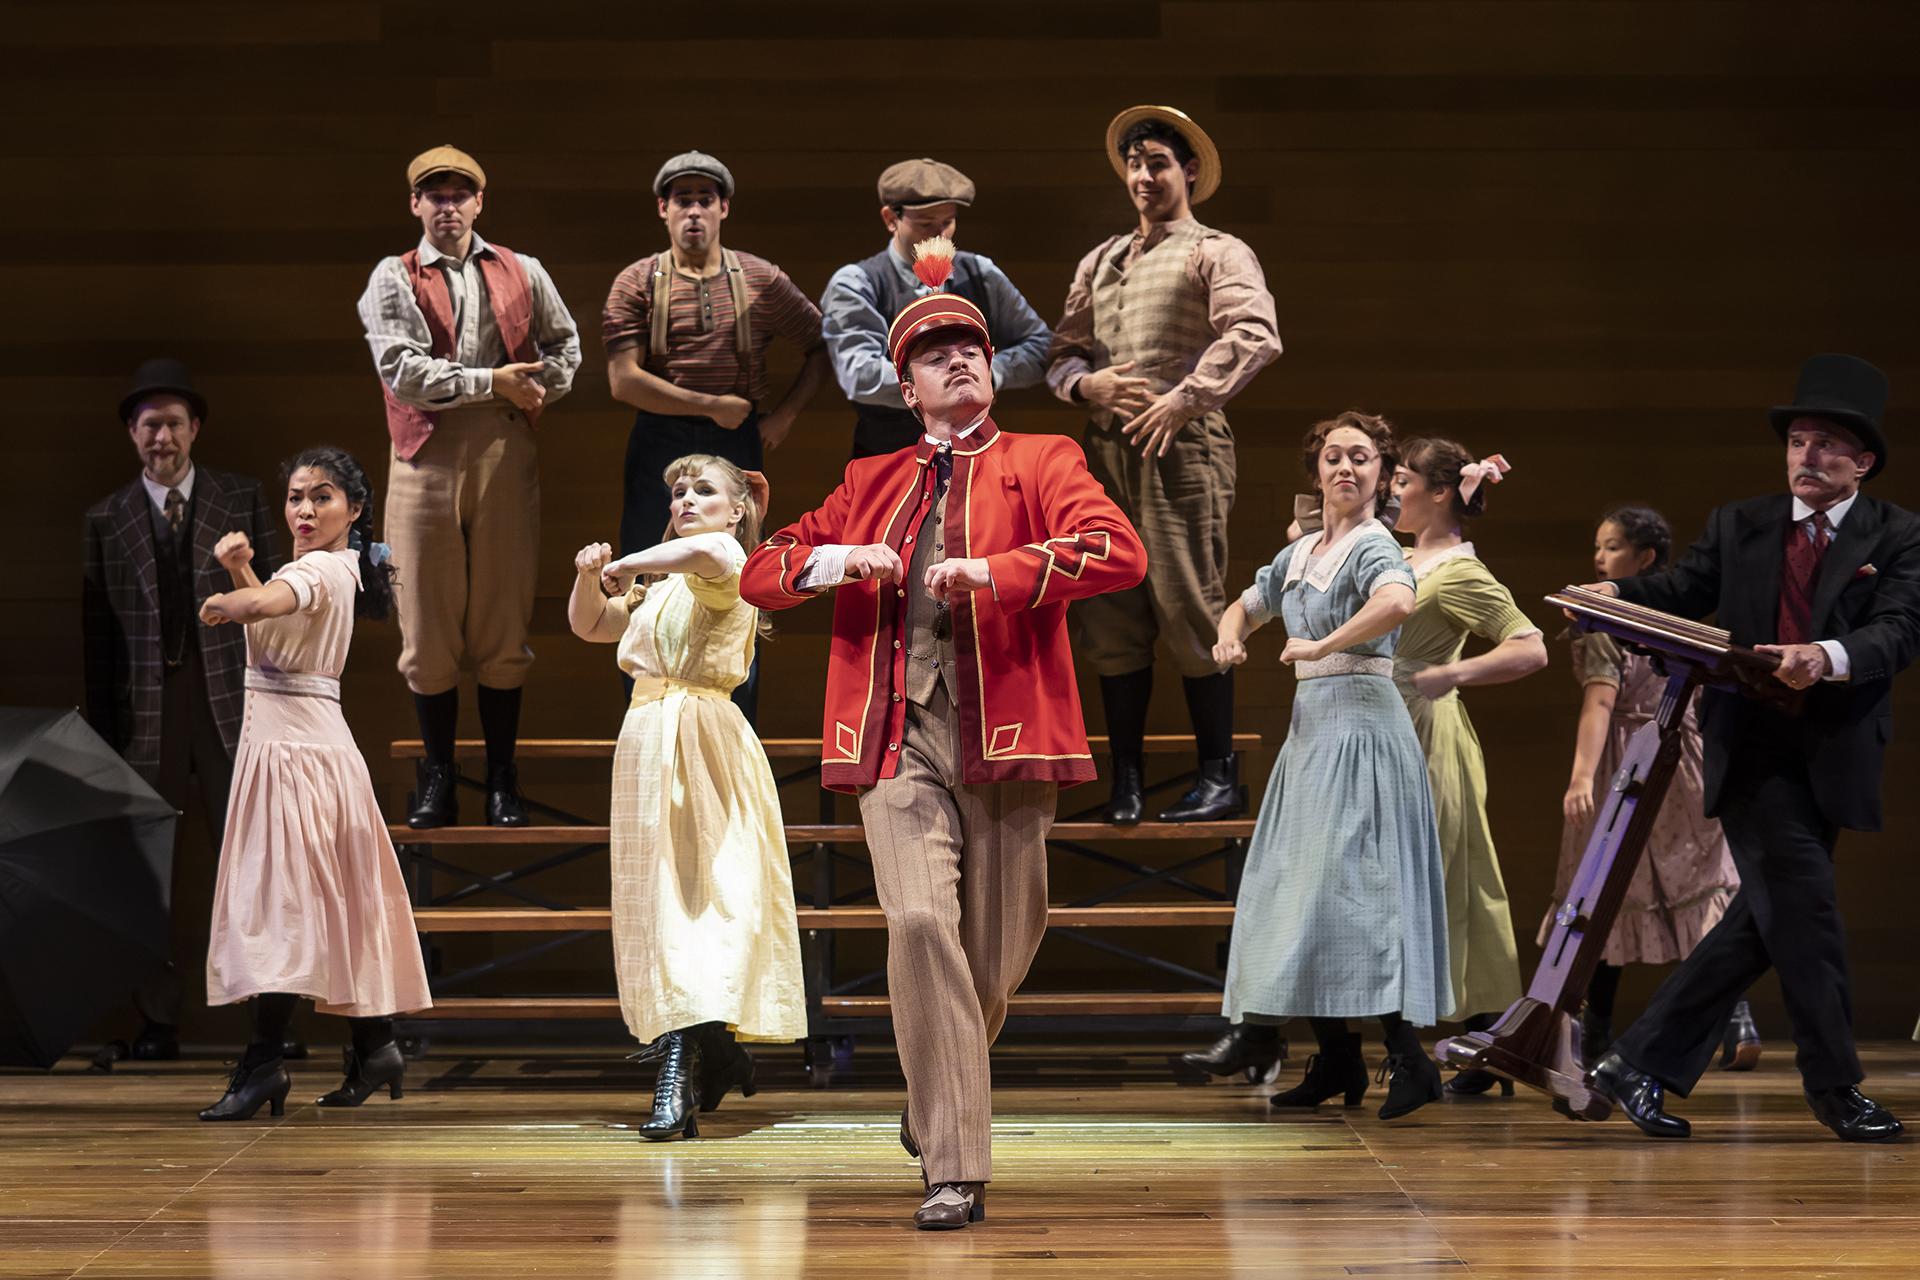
1534, 1041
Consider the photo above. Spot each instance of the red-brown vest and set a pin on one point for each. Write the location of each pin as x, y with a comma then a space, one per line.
512, 302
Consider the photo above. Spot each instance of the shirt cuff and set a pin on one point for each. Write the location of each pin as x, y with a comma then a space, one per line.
1836, 659
826, 567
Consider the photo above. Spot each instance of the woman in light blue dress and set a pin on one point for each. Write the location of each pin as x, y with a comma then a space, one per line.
1342, 910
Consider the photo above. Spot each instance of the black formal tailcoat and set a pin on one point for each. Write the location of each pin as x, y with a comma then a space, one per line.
1867, 597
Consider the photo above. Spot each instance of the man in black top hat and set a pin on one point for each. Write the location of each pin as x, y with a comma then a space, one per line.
1828, 578
164, 689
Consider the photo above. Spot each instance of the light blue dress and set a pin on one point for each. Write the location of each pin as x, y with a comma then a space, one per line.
1342, 910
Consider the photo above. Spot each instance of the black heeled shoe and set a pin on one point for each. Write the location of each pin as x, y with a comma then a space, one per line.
676, 1091
1127, 804
725, 1066
1329, 1076
1412, 1082
436, 801
1740, 1046
254, 1081
505, 808
381, 1069
1216, 793
1473, 1082
1247, 1047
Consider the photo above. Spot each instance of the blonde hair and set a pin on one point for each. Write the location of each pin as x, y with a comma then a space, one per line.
747, 530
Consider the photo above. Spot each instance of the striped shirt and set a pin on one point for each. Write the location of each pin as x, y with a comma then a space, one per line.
700, 355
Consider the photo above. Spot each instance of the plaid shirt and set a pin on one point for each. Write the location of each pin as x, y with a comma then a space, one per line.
121, 610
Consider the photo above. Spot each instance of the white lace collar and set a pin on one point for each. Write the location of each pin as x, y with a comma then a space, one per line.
1321, 576
1454, 552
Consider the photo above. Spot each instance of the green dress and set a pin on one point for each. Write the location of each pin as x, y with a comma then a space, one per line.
1458, 597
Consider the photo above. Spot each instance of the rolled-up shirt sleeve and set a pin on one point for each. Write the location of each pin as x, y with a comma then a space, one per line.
403, 347
856, 336
1070, 355
554, 331
1241, 313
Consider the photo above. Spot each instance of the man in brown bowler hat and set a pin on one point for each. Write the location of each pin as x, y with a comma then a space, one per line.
472, 342
919, 199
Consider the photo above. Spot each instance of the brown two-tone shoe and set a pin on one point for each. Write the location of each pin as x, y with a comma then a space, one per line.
952, 1205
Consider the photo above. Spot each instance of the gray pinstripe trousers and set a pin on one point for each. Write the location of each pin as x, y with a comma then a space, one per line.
961, 873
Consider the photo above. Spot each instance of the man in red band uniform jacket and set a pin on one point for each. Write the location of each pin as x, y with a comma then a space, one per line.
471, 342
951, 706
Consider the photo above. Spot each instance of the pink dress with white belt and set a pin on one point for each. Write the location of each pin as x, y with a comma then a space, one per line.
309, 899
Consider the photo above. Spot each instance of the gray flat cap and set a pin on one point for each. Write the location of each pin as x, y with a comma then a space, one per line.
693, 162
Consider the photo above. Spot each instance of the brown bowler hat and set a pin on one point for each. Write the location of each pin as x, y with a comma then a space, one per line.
1208, 180
915, 184
445, 159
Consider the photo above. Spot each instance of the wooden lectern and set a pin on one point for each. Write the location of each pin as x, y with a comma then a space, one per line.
1534, 1041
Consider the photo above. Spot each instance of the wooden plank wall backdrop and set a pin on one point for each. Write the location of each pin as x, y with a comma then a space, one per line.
1596, 236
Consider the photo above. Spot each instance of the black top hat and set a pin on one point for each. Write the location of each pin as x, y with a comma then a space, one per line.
1844, 390
162, 376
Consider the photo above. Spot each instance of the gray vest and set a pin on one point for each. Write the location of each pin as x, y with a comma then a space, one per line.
929, 621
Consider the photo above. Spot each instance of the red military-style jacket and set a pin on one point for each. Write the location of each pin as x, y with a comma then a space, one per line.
1028, 506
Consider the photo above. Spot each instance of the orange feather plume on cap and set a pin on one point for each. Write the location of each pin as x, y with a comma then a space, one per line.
933, 264
933, 261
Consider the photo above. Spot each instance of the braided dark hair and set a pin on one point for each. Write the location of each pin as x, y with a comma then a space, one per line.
376, 570
1645, 528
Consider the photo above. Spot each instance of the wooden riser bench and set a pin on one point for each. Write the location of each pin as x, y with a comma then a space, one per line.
600, 919
1057, 1004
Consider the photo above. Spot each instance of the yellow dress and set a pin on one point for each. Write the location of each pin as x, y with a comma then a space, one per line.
1458, 597
703, 919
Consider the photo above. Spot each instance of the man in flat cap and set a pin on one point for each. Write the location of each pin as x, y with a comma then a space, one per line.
472, 343
951, 706
687, 332
1163, 325
164, 689
919, 199
1827, 578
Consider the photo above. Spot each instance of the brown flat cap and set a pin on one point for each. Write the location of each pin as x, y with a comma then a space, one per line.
914, 184
446, 160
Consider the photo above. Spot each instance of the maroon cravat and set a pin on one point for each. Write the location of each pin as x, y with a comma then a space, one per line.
1802, 568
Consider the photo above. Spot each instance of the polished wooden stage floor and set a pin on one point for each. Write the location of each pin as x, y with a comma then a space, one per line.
517, 1164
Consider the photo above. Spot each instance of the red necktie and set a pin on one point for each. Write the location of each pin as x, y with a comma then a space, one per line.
1802, 568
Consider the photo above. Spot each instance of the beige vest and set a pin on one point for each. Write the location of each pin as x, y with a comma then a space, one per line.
929, 656
1152, 312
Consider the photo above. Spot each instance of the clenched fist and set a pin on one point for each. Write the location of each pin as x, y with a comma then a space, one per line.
234, 552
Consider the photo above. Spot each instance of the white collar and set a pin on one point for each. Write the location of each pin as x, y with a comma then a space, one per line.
157, 492
430, 255
1835, 513
1454, 552
961, 435
1321, 576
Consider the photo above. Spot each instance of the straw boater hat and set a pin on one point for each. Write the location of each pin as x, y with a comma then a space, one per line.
933, 263
1206, 182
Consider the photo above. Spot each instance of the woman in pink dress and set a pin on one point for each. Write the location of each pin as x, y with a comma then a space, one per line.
1686, 876
309, 900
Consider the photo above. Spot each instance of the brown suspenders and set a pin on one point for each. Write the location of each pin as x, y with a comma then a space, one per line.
659, 303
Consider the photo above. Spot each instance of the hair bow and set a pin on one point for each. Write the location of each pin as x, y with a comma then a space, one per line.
759, 491
379, 553
1489, 470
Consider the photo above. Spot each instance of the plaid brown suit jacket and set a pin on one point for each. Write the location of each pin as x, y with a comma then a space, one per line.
120, 618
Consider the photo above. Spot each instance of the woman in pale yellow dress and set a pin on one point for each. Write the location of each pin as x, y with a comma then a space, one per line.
1439, 487
706, 944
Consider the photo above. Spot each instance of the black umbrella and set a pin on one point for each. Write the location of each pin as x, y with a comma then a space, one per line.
86, 860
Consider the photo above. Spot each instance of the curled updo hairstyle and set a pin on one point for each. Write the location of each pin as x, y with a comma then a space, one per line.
1438, 462
1376, 429
738, 490
1645, 529
376, 576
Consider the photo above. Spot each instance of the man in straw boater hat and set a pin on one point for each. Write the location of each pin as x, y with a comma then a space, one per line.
919, 199
1828, 578
951, 709
472, 343
1163, 325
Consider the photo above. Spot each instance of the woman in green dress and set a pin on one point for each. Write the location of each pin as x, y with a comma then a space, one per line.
1440, 487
